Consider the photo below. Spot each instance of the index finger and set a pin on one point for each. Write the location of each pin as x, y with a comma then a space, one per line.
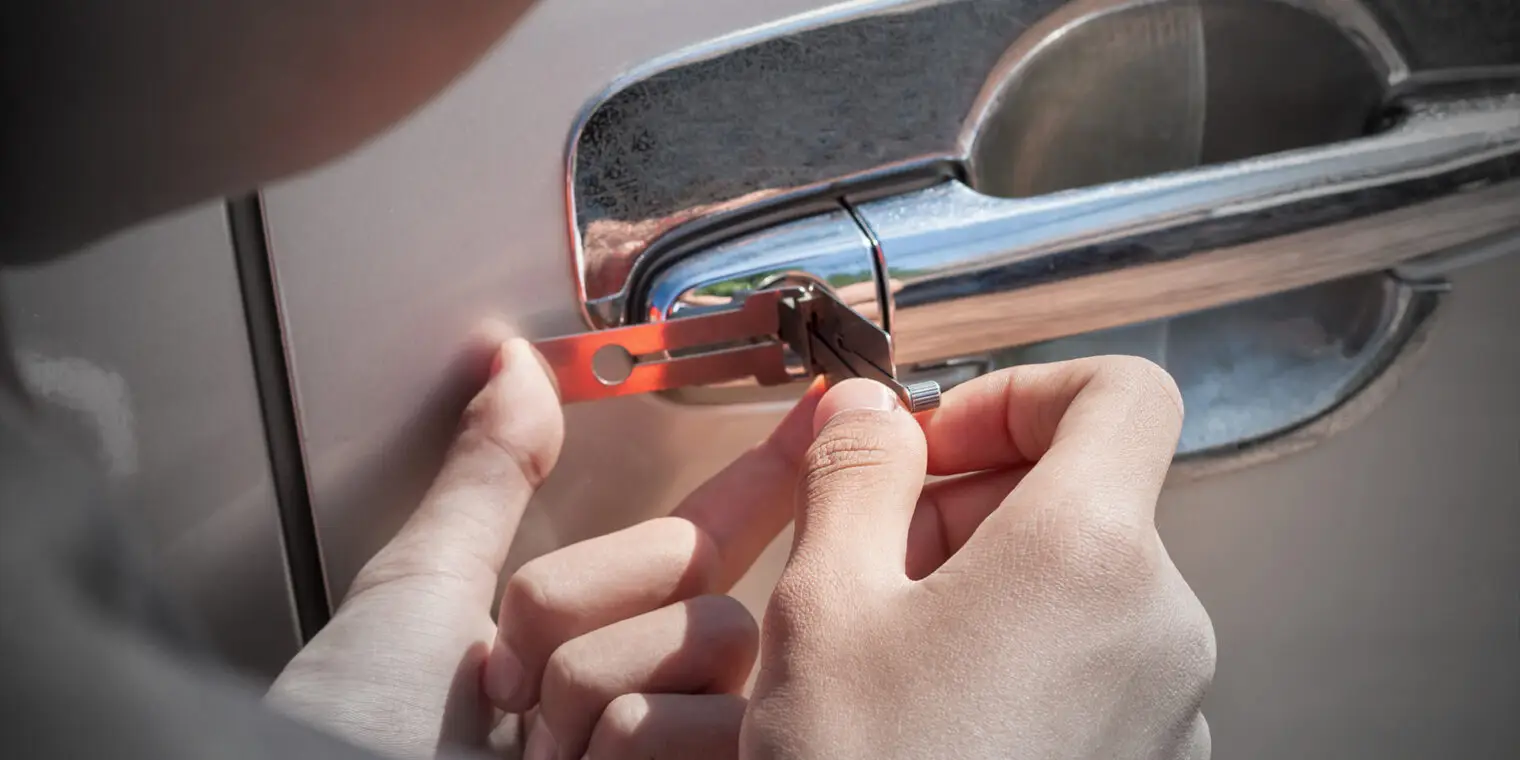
1012, 418
1105, 424
704, 547
744, 507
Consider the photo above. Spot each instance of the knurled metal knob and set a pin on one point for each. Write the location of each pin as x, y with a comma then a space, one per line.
922, 397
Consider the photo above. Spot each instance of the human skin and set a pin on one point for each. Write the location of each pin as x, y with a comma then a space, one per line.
1022, 606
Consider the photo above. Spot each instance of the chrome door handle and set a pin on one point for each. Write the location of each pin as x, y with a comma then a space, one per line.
969, 273
1275, 268
960, 272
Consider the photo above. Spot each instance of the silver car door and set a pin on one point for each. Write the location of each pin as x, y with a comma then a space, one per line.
1358, 556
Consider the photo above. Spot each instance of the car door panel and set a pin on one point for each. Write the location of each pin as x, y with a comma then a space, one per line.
139, 344
386, 262
1362, 591
1358, 585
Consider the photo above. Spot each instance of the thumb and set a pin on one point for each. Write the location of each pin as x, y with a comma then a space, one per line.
508, 442
860, 484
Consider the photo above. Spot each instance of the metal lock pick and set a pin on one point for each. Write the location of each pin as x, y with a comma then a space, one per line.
800, 326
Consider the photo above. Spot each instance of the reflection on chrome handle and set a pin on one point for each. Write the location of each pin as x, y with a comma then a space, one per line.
973, 273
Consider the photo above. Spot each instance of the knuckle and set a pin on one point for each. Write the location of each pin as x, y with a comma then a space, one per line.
529, 441
804, 607
789, 609
1184, 644
1145, 381
1105, 549
793, 598
685, 544
779, 720
567, 680
1123, 546
528, 594
844, 452
1187, 734
1197, 645
1199, 744
621, 721
843, 446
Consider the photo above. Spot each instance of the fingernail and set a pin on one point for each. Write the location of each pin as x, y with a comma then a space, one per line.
541, 744
504, 674
854, 395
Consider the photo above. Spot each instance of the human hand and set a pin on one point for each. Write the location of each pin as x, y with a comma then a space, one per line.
1026, 608
623, 645
398, 668
636, 613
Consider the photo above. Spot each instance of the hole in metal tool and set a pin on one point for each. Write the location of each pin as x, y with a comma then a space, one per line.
612, 365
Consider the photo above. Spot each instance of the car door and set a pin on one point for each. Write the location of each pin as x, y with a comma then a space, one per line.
139, 346
1343, 504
